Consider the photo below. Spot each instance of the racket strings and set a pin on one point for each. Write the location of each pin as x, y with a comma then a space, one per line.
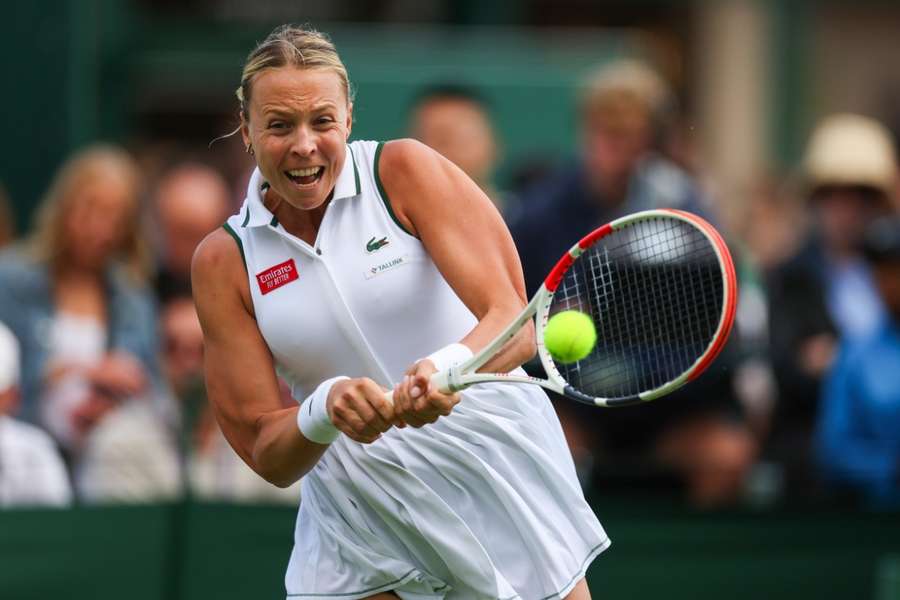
654, 290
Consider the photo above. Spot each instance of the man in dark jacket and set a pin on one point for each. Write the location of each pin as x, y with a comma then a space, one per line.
825, 290
698, 434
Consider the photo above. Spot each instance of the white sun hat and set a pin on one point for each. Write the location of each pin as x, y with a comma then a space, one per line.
848, 149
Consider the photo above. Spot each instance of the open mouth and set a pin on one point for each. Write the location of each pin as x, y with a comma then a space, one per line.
306, 176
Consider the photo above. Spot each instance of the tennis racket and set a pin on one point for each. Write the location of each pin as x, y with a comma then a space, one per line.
661, 290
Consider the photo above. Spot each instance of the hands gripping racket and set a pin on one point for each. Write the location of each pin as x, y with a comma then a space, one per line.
661, 291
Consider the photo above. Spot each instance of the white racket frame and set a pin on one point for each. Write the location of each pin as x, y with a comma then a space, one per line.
463, 375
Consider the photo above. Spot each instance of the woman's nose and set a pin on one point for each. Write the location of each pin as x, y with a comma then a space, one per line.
304, 142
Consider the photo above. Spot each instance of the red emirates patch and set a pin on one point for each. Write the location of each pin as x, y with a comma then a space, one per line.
277, 276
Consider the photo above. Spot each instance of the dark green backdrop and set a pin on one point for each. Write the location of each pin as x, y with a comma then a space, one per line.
227, 552
77, 71
85, 70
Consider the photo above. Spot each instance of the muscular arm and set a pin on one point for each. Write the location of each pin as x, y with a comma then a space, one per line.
466, 238
240, 374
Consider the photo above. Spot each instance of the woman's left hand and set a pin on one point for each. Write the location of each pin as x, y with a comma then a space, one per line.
416, 401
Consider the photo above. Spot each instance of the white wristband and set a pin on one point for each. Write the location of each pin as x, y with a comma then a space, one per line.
312, 418
449, 355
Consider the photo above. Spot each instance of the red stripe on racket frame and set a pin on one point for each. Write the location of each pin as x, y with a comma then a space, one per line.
551, 282
731, 283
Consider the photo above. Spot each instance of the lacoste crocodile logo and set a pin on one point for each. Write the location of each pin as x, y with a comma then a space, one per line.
374, 245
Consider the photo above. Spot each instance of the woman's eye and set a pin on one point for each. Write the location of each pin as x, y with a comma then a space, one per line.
277, 125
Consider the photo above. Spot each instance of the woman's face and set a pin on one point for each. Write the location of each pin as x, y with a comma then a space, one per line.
97, 220
299, 124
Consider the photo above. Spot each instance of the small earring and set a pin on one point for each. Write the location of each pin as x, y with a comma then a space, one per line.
250, 149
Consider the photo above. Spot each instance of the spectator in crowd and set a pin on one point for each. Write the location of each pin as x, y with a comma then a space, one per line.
616, 173
699, 435
825, 290
154, 451
150, 450
215, 471
189, 201
32, 472
75, 299
132, 455
859, 421
456, 121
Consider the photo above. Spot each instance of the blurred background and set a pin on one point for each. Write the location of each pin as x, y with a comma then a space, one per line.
777, 474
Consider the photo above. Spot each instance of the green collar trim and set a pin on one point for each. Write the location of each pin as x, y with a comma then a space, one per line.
355, 170
237, 239
383, 193
346, 186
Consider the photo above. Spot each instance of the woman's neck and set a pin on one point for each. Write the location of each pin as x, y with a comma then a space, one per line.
303, 224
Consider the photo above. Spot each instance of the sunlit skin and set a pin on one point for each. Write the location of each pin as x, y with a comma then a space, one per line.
298, 119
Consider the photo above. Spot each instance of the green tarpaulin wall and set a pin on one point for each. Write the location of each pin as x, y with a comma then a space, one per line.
201, 551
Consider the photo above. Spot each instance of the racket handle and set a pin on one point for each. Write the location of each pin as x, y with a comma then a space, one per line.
440, 380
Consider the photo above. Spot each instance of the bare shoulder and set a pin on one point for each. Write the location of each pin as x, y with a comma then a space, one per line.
416, 180
406, 157
218, 268
218, 252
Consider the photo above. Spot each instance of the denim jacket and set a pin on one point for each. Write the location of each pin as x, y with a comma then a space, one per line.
27, 308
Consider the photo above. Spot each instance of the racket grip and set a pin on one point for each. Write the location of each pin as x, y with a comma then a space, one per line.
440, 380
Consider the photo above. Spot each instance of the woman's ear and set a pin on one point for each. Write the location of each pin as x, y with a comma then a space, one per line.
245, 132
349, 118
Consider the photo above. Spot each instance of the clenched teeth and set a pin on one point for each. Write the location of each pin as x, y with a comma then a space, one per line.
304, 172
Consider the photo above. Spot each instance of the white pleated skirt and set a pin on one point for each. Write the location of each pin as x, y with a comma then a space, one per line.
483, 504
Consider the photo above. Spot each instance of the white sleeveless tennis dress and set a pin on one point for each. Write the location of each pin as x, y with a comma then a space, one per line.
484, 503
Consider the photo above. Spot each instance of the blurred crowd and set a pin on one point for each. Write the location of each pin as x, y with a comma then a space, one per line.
101, 385
101, 349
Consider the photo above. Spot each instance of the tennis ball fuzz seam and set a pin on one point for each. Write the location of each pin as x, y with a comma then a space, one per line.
570, 336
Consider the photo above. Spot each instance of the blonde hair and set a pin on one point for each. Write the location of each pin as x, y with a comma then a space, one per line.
291, 46
626, 92
47, 243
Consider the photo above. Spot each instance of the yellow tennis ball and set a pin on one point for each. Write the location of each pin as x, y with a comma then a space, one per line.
570, 336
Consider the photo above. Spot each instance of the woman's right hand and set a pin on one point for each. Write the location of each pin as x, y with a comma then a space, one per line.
359, 409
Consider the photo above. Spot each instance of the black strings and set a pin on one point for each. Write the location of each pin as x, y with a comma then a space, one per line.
654, 290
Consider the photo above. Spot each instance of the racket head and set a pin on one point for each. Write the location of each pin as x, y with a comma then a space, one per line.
661, 290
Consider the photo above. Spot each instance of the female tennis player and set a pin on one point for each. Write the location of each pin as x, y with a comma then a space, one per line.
350, 269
